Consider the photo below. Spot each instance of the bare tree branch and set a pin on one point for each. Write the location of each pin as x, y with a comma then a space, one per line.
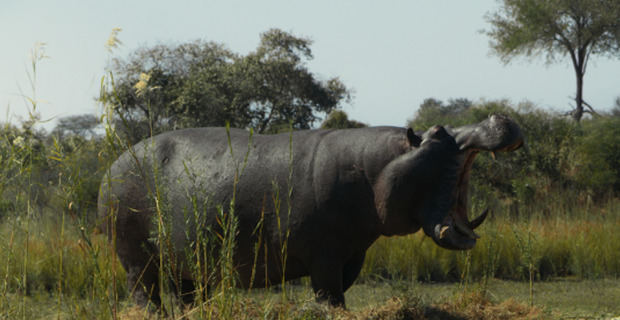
589, 107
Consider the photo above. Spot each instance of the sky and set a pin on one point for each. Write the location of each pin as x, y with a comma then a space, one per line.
393, 54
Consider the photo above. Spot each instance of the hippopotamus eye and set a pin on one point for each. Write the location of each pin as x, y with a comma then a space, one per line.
438, 132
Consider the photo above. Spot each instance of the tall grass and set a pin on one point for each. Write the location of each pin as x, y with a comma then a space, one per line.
46, 237
583, 244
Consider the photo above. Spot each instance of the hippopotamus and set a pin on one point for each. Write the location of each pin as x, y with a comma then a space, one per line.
320, 196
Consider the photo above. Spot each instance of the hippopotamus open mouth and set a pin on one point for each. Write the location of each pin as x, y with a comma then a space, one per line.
497, 133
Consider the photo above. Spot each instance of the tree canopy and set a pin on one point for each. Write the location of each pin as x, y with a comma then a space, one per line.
339, 119
205, 84
577, 28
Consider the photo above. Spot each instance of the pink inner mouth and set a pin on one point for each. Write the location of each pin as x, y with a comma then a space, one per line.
459, 210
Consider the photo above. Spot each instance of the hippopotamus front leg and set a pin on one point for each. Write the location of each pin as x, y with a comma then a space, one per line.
352, 269
326, 275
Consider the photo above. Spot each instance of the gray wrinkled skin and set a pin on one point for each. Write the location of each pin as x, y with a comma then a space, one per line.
348, 187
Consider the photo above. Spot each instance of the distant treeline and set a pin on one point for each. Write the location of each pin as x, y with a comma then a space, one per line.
578, 161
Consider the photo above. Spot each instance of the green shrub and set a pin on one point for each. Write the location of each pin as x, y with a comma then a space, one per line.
597, 164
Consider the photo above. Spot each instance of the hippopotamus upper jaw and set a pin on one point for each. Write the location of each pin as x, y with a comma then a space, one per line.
496, 133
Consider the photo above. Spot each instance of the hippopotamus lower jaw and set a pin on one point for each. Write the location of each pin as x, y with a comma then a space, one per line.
456, 234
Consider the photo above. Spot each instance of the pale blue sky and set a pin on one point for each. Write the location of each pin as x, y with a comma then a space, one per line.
394, 54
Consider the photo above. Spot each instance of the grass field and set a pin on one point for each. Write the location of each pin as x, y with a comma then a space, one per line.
70, 274
560, 298
557, 299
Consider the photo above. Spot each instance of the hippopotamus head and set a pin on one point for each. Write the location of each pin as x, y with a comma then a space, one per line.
496, 133
428, 186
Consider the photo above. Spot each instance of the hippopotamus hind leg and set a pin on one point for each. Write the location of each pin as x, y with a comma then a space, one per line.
142, 281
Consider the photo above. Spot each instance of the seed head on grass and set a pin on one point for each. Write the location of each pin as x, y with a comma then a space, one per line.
38, 52
113, 41
142, 86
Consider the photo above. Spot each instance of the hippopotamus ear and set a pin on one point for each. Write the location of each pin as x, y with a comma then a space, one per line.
413, 139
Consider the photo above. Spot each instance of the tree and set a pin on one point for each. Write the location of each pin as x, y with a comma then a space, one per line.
83, 125
339, 119
579, 28
205, 84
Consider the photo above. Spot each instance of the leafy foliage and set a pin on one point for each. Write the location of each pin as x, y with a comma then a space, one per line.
598, 160
205, 84
23, 153
38, 165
